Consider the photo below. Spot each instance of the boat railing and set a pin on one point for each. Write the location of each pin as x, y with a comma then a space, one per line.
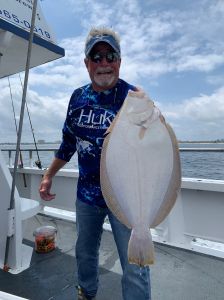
30, 154
202, 149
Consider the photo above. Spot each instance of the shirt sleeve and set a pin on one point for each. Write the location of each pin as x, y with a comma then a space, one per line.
68, 144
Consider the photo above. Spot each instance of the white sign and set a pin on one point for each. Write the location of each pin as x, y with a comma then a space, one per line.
19, 13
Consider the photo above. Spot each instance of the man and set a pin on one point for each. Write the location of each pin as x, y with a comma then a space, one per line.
90, 112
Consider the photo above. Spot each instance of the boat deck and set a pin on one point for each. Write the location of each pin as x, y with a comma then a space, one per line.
176, 275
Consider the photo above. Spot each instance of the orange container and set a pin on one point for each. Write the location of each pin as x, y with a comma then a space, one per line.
45, 237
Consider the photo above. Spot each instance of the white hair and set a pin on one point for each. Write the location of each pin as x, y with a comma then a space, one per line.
102, 31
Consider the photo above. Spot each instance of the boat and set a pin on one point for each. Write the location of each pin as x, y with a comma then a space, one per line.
189, 243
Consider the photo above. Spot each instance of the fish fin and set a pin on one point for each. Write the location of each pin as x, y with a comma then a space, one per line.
111, 200
110, 128
106, 187
174, 185
141, 248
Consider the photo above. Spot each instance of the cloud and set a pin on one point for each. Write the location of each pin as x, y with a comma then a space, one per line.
47, 113
199, 62
217, 80
157, 38
206, 108
168, 38
198, 118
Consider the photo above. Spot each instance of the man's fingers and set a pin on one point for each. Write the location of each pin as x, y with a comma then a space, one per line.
45, 195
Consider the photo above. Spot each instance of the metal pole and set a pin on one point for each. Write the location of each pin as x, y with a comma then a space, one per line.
12, 198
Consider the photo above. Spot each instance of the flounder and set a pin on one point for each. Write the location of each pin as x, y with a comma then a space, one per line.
140, 172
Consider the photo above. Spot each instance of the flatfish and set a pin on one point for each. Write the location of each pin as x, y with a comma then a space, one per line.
140, 172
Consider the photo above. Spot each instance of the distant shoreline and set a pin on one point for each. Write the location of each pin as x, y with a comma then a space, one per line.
58, 142
30, 143
202, 142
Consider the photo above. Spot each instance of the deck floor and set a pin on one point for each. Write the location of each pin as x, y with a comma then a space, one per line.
176, 275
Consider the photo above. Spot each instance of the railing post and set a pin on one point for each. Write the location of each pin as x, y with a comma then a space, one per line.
10, 158
31, 158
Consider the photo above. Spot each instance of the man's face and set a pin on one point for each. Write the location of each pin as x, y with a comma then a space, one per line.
103, 73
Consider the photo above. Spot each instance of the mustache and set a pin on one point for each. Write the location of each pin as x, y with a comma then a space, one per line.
104, 69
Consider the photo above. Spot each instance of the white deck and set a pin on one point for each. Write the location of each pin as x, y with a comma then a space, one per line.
176, 275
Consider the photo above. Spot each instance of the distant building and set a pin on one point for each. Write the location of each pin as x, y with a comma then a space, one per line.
41, 141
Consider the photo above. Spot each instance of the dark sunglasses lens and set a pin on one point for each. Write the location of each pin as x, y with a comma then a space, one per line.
98, 57
111, 57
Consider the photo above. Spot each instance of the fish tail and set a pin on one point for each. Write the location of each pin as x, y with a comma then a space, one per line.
141, 248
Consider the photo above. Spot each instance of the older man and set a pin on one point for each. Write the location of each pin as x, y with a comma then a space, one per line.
91, 110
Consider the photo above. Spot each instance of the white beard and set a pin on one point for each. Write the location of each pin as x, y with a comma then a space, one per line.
104, 80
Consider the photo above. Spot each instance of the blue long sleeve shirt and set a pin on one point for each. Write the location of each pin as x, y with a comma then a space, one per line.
89, 115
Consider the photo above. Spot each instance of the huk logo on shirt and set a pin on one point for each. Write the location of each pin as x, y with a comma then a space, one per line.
101, 119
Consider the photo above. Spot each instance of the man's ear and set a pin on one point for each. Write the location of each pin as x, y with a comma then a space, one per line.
86, 62
120, 63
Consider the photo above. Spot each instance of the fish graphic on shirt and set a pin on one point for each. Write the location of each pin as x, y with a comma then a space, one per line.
84, 147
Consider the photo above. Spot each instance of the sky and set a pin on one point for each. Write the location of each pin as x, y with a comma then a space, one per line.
172, 49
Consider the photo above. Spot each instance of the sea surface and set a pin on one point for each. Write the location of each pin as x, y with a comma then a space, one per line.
202, 164
194, 164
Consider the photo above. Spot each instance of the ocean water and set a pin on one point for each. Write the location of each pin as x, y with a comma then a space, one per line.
209, 165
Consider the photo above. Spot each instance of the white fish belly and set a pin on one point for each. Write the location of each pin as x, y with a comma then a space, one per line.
139, 169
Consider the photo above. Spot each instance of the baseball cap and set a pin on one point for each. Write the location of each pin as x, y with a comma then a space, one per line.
106, 38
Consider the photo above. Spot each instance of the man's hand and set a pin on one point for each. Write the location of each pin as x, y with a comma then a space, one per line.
45, 188
45, 185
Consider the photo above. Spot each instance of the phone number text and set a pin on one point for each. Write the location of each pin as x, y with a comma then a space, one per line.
15, 19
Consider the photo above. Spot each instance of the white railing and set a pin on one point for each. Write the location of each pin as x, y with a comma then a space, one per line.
29, 155
202, 149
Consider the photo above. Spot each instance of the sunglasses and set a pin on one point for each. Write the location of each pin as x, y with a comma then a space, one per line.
98, 57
